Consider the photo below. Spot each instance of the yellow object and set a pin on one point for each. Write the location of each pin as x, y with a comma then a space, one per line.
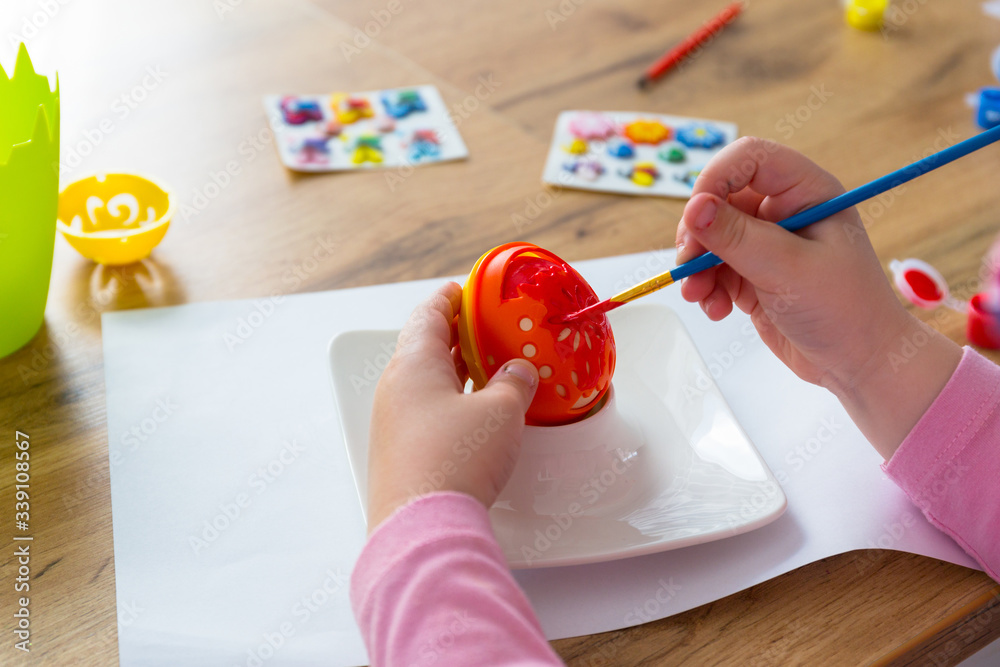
866, 14
364, 153
114, 218
578, 147
644, 174
348, 113
647, 131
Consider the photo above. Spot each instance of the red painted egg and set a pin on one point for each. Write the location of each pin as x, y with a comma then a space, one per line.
511, 306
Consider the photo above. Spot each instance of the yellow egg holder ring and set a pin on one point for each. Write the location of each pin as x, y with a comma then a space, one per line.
114, 219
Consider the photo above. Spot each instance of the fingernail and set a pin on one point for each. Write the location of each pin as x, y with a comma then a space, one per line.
706, 215
682, 241
520, 372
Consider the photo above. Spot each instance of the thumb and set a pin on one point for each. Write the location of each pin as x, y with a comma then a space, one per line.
758, 250
513, 386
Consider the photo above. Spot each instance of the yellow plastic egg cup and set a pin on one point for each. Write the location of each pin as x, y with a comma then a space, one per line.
114, 218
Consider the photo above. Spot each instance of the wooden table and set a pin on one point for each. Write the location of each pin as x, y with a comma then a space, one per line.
179, 86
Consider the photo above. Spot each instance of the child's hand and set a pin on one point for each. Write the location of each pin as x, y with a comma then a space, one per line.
818, 297
426, 434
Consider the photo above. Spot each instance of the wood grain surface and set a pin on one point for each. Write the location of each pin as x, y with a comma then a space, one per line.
179, 84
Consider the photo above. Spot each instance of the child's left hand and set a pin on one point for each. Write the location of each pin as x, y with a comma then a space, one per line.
426, 434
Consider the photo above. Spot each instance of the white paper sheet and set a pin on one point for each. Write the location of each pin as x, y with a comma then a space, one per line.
222, 413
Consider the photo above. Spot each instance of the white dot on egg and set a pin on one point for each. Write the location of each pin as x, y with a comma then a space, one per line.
529, 350
564, 334
561, 390
545, 372
576, 341
526, 324
490, 360
573, 376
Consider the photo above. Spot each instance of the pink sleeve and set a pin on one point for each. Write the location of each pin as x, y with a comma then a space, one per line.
949, 464
431, 587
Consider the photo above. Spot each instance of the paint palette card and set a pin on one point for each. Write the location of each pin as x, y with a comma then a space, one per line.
396, 127
632, 153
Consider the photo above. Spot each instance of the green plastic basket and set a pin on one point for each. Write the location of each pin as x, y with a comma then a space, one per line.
29, 196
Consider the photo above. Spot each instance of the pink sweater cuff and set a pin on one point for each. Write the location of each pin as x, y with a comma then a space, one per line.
949, 464
432, 586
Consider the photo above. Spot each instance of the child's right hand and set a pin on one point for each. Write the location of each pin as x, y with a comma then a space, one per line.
818, 298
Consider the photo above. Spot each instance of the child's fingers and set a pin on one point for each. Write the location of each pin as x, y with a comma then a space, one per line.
423, 354
789, 180
430, 325
688, 246
461, 370
762, 252
717, 305
699, 286
747, 200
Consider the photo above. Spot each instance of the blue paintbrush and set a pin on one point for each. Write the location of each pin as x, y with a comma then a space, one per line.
804, 218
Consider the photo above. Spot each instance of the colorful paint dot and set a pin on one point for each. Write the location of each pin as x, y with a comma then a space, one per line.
545, 372
923, 285
673, 155
700, 135
591, 126
525, 324
621, 149
561, 390
529, 350
647, 131
577, 147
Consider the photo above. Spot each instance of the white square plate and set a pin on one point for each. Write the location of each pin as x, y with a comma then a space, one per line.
663, 465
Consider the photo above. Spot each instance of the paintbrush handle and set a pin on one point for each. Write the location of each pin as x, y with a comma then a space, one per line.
853, 197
